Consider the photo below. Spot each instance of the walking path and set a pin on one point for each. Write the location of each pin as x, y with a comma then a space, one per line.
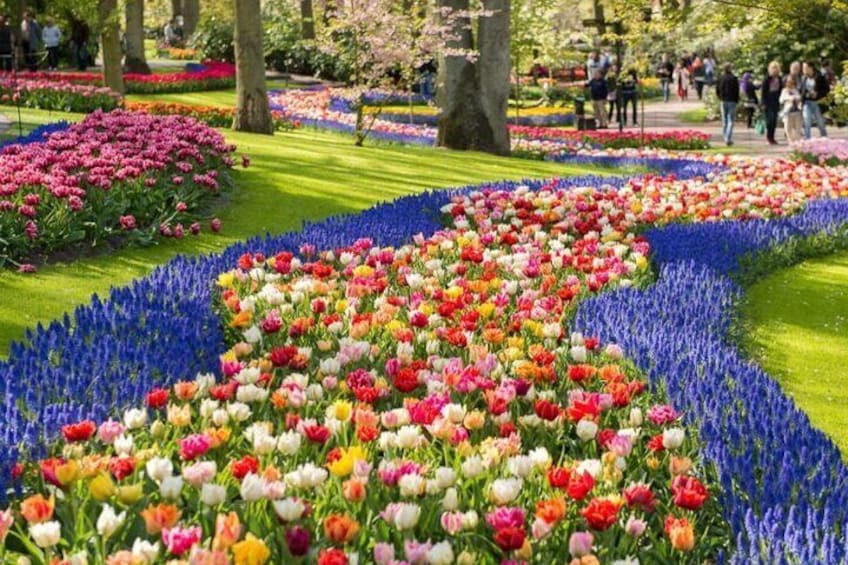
663, 116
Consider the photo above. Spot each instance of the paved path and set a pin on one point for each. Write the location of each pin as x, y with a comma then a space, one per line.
663, 116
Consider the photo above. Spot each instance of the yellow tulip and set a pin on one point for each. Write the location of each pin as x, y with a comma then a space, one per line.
130, 494
225, 280
251, 551
68, 472
101, 487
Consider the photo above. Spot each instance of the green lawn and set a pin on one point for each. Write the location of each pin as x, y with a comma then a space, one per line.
694, 116
304, 175
205, 98
799, 332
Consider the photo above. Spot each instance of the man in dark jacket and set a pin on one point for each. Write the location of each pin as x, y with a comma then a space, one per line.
598, 92
770, 99
815, 89
7, 45
727, 90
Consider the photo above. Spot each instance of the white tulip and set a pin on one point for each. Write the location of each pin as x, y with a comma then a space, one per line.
46, 534
135, 418
445, 477
440, 554
289, 509
108, 522
411, 485
472, 467
586, 430
673, 438
504, 491
143, 549
289, 442
407, 516
159, 469
170, 487
252, 487
212, 494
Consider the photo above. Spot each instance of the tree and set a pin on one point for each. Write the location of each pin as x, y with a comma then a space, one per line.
475, 93
136, 61
307, 20
110, 44
252, 112
191, 15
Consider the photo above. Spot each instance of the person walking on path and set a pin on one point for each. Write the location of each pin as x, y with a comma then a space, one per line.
593, 63
749, 89
728, 92
627, 89
30, 40
665, 70
598, 92
612, 94
770, 99
815, 88
7, 45
790, 99
52, 36
700, 76
681, 80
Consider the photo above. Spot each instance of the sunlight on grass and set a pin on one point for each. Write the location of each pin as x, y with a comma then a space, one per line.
799, 326
304, 175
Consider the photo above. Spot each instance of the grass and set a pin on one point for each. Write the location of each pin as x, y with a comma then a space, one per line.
206, 98
693, 116
304, 175
799, 322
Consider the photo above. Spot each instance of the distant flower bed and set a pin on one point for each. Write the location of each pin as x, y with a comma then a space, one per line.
182, 54
112, 176
824, 151
679, 140
207, 76
46, 94
215, 116
429, 115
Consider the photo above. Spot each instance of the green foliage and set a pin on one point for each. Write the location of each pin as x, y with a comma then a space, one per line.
213, 39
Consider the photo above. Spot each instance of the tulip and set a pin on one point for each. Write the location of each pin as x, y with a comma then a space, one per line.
108, 522
45, 534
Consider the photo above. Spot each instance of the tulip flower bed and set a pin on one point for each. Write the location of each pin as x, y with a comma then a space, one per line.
57, 95
677, 140
209, 76
781, 482
112, 175
334, 109
824, 151
214, 116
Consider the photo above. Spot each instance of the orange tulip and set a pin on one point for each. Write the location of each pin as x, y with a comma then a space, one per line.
354, 490
227, 531
340, 528
37, 509
550, 511
159, 517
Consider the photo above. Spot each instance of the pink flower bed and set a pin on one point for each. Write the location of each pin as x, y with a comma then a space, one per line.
213, 75
113, 173
674, 139
824, 151
52, 95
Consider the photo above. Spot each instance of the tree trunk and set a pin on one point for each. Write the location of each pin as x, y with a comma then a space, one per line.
493, 69
252, 113
136, 61
110, 44
176, 8
191, 15
474, 96
307, 20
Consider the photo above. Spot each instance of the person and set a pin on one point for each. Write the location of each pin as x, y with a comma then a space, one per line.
770, 99
593, 64
814, 89
79, 37
728, 92
52, 36
699, 74
681, 80
790, 99
30, 40
598, 92
795, 73
709, 69
627, 89
612, 85
7, 45
828, 73
664, 72
749, 89
170, 32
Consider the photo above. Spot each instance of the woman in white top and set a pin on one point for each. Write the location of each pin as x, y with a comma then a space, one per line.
681, 81
790, 99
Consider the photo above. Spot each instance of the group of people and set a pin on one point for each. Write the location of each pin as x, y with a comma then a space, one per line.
25, 46
795, 98
172, 33
690, 70
610, 90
